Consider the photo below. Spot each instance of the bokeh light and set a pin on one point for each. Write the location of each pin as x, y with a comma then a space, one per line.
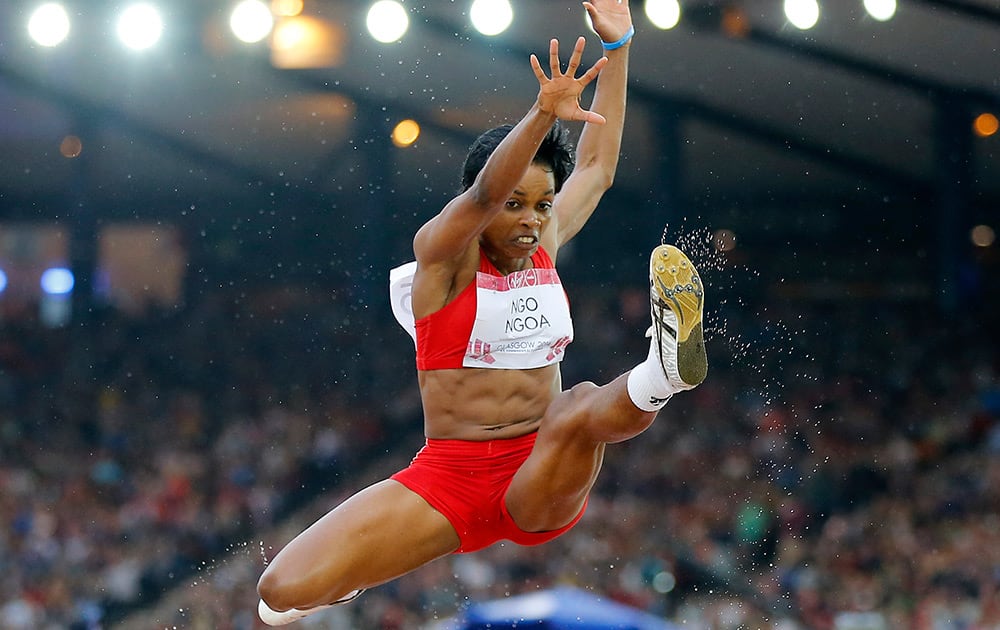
491, 17
387, 21
663, 14
286, 8
57, 281
985, 125
251, 21
983, 236
140, 26
405, 133
664, 582
881, 10
803, 14
49, 24
735, 22
70, 147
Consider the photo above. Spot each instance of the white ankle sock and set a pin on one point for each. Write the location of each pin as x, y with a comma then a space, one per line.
648, 386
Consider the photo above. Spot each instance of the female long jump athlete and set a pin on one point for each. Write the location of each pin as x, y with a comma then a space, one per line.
509, 455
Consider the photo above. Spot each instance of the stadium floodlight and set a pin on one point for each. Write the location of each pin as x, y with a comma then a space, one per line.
140, 26
663, 14
881, 10
57, 281
387, 21
49, 24
251, 21
491, 17
803, 14
3, 280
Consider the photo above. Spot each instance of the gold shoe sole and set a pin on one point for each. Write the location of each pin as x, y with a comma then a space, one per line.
678, 286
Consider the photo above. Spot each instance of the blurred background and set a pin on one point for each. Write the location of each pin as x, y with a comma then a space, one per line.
200, 202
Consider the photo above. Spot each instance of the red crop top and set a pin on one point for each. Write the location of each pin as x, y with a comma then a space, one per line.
518, 321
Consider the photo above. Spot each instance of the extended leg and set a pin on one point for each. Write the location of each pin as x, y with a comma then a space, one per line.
375, 536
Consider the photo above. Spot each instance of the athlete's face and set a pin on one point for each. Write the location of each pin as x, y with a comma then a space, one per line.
517, 229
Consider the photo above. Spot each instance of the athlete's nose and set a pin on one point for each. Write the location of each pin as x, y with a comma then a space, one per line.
531, 219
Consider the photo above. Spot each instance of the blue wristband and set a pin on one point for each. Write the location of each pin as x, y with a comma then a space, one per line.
621, 42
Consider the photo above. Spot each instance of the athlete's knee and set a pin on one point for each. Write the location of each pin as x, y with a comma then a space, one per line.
582, 389
283, 588
573, 400
275, 591
571, 407
594, 413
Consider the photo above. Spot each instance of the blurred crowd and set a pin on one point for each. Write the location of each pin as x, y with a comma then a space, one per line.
839, 469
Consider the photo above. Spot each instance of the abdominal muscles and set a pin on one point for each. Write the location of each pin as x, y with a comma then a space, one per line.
485, 404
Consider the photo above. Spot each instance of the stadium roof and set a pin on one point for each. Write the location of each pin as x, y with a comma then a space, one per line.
733, 104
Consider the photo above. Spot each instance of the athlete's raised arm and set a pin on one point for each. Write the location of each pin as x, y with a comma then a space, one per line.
599, 145
450, 234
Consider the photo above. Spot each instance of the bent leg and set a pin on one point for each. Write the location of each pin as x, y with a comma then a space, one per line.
377, 535
550, 488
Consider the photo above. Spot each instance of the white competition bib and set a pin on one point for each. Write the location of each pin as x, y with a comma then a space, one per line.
522, 321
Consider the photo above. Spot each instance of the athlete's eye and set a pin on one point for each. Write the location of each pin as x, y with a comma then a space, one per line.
545, 206
513, 203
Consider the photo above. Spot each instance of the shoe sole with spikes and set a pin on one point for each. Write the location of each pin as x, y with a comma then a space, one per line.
677, 298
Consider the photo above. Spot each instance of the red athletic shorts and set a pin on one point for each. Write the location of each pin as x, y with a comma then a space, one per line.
466, 482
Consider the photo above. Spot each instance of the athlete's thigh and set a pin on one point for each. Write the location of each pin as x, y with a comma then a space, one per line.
551, 486
379, 534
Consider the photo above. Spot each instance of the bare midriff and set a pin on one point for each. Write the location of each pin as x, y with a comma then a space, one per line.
484, 404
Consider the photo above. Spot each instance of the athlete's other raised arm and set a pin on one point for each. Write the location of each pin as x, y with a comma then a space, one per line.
599, 146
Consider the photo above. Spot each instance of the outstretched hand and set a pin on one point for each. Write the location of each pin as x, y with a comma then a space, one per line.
560, 94
611, 18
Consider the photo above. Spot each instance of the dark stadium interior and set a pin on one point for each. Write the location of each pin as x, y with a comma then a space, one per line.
226, 366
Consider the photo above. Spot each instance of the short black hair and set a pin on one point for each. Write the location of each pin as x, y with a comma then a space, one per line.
556, 152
